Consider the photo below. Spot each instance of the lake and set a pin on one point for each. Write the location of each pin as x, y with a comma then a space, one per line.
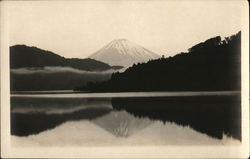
125, 119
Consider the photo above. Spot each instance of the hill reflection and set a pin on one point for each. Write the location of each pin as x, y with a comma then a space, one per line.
213, 115
34, 115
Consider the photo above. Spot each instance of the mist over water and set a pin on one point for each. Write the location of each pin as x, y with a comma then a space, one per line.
57, 78
57, 69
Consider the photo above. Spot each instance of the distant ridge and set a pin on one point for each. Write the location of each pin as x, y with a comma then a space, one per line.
123, 52
25, 56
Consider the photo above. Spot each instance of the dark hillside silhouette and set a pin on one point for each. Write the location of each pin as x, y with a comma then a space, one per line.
29, 70
211, 65
24, 56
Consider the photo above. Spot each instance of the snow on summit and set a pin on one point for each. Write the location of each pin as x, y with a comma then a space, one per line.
124, 53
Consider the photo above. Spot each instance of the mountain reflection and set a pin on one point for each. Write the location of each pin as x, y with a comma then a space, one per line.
213, 115
121, 123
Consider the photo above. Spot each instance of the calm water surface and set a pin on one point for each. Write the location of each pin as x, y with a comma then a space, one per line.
159, 118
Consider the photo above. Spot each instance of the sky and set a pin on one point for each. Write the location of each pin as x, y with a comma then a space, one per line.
80, 28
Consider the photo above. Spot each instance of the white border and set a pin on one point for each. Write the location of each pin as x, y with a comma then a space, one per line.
123, 152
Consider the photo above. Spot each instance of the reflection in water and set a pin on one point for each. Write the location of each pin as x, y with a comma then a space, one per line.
213, 115
34, 115
26, 124
141, 120
121, 123
51, 105
87, 133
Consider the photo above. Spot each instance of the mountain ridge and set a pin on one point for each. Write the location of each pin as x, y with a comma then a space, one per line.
26, 56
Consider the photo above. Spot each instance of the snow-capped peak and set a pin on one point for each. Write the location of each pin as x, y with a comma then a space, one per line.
123, 52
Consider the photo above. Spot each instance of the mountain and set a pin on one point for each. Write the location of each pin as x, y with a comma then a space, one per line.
123, 52
214, 64
25, 56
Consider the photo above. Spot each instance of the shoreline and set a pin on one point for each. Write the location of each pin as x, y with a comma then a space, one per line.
72, 94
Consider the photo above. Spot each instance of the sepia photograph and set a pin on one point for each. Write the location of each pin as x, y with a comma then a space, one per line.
125, 79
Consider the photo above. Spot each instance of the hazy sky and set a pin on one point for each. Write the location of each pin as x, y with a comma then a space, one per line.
79, 28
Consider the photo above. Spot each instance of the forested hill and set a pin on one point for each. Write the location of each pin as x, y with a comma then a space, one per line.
211, 65
25, 56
